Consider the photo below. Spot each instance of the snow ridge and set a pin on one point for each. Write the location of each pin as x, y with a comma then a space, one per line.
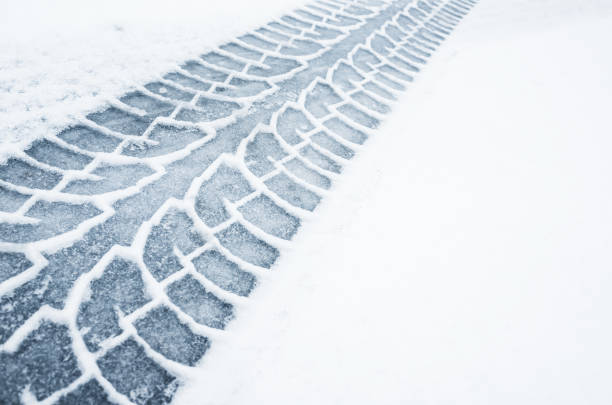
129, 241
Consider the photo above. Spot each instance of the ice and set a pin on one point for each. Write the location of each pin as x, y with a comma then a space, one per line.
309, 16
394, 33
402, 64
365, 60
443, 21
298, 168
175, 229
344, 75
381, 45
275, 66
204, 72
416, 13
131, 211
211, 110
225, 183
242, 88
319, 98
388, 82
168, 139
152, 106
323, 33
449, 13
218, 109
89, 139
168, 91
329, 143
424, 6
266, 215
359, 116
241, 51
260, 150
273, 34
429, 36
204, 307
416, 42
90, 393
452, 12
300, 47
355, 10
370, 102
295, 22
410, 56
436, 28
187, 81
113, 178
12, 263
319, 159
415, 49
238, 240
440, 22
18, 305
390, 70
120, 121
344, 130
44, 363
329, 5
20, 173
50, 153
67, 264
120, 288
10, 200
285, 28
224, 273
319, 9
223, 61
290, 122
406, 22
252, 40
136, 376
163, 331
292, 192
55, 218
341, 20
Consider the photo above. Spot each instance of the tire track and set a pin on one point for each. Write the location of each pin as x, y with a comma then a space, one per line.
129, 241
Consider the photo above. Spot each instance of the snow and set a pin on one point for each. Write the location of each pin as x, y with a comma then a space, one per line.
63, 59
464, 254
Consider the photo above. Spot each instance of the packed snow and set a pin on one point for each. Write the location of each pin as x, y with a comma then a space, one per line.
464, 255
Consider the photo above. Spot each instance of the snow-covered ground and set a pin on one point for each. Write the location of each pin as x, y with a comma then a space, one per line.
465, 257
62, 59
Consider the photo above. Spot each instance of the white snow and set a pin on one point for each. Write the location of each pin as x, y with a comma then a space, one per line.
464, 255
62, 59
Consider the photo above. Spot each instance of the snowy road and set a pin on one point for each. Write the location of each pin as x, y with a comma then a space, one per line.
129, 242
464, 256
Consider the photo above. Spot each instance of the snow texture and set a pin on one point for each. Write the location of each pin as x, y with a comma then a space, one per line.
133, 236
463, 257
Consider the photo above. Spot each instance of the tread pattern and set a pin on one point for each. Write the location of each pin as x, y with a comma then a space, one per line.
128, 242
